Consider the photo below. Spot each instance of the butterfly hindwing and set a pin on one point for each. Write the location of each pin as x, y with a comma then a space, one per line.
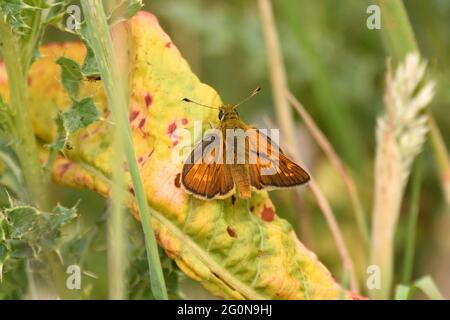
270, 158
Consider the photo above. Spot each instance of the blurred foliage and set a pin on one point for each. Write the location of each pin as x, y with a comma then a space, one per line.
27, 235
139, 286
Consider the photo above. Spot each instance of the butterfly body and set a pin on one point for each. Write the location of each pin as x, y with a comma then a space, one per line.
241, 178
221, 172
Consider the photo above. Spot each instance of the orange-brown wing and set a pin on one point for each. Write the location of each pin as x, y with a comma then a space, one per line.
270, 166
205, 178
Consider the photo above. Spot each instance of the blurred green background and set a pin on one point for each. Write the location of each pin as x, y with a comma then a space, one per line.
335, 67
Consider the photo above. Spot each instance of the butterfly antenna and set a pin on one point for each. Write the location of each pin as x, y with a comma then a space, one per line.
254, 92
199, 104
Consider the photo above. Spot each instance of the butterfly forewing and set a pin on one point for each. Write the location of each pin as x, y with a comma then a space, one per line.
205, 176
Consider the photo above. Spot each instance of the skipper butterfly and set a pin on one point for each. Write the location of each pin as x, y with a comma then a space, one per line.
218, 168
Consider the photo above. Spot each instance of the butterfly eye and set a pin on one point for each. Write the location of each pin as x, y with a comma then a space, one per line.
221, 115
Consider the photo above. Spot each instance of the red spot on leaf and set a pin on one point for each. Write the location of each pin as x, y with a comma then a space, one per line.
143, 159
231, 232
64, 168
131, 189
29, 81
141, 123
168, 44
267, 214
96, 130
177, 180
148, 99
184, 121
171, 128
133, 115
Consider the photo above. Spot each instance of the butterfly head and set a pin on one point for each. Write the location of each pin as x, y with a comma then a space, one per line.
227, 111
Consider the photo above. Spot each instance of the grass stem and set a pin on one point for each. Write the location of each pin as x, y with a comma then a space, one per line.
329, 108
286, 122
277, 72
442, 158
413, 215
336, 233
397, 31
98, 33
25, 147
332, 155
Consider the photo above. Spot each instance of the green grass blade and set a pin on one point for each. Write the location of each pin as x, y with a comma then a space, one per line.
344, 285
397, 31
427, 285
402, 292
340, 125
98, 32
413, 215
27, 149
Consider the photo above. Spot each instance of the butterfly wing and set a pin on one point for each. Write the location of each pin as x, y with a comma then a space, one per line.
204, 177
270, 158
